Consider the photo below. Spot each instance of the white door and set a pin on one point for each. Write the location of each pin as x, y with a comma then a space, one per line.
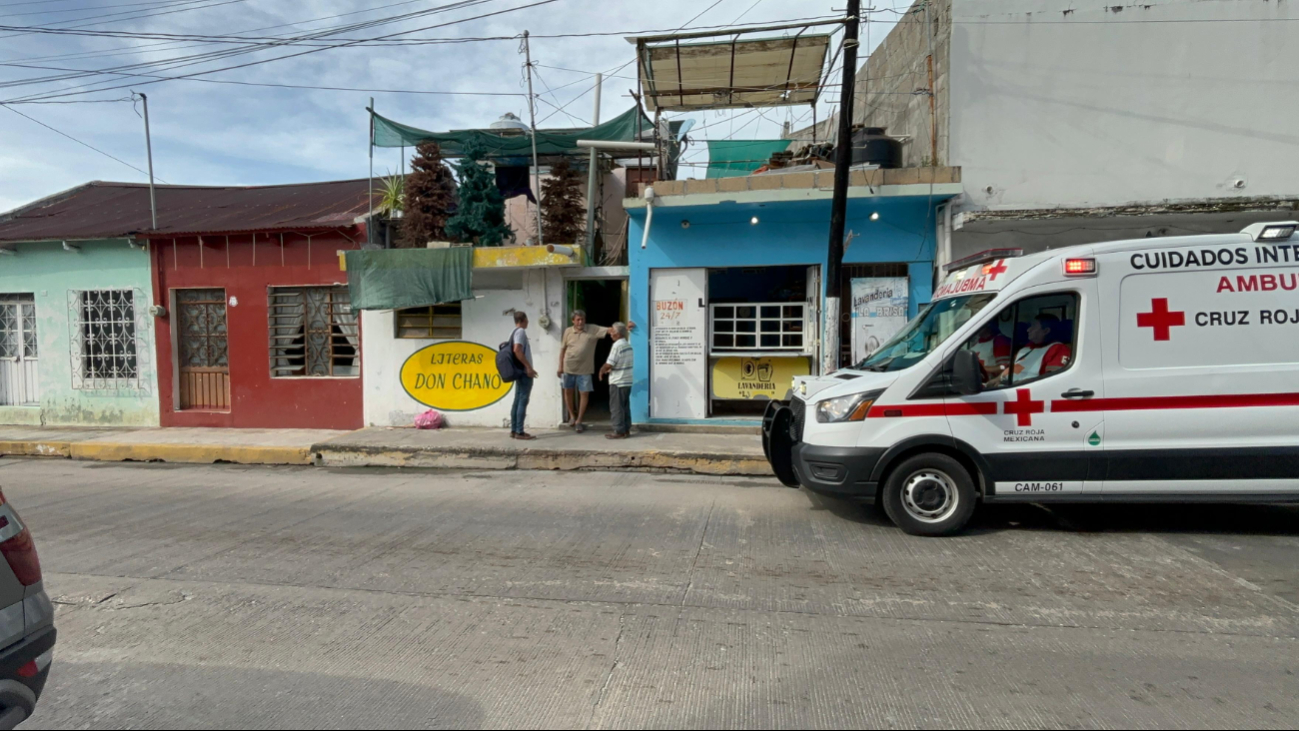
19, 378
1034, 427
678, 343
812, 317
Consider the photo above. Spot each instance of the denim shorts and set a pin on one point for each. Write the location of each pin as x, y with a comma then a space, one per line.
585, 384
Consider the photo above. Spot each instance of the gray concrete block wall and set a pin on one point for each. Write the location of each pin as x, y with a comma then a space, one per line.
886, 84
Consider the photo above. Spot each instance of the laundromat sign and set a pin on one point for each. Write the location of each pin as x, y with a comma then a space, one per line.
756, 378
454, 376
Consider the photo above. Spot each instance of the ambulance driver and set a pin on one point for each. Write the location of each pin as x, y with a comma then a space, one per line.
993, 349
1040, 358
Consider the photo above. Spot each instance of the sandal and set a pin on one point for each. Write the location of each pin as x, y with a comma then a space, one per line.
579, 428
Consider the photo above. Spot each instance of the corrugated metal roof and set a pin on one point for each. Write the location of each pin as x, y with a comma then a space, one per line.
99, 210
682, 77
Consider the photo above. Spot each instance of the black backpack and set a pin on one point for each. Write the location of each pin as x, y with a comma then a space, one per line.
507, 364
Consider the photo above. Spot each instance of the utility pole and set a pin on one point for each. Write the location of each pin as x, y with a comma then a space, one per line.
148, 146
839, 203
369, 222
933, 119
532, 115
592, 177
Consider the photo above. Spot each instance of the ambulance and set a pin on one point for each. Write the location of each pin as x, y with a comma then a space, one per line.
1151, 370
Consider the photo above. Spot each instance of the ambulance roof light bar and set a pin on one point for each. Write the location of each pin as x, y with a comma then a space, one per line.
983, 257
1271, 232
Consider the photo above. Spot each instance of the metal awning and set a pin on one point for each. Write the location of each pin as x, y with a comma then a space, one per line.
725, 74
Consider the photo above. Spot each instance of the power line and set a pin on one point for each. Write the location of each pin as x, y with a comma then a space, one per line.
273, 86
199, 58
74, 139
302, 53
83, 9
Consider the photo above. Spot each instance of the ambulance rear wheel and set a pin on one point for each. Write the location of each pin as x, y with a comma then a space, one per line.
929, 495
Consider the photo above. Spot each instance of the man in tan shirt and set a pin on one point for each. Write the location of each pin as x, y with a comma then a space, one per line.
577, 366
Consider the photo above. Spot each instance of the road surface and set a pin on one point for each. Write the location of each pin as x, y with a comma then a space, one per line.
226, 596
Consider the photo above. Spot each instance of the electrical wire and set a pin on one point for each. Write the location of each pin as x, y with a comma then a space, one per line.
74, 139
199, 58
301, 53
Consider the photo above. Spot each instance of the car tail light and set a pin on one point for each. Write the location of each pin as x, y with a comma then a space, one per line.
17, 546
1079, 267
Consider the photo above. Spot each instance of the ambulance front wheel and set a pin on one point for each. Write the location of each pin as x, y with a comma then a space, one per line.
929, 495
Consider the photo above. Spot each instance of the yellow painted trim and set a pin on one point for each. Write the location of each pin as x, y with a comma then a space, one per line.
497, 257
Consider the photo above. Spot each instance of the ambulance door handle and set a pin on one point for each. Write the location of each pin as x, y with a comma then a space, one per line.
1078, 393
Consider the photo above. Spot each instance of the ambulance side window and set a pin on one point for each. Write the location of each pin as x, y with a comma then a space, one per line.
1028, 340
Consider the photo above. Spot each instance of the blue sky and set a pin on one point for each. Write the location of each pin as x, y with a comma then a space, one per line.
220, 133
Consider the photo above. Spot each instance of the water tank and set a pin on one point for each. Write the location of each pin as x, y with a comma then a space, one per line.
509, 121
870, 145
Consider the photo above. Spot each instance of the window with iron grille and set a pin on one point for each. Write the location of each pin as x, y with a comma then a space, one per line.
105, 340
314, 333
757, 326
439, 322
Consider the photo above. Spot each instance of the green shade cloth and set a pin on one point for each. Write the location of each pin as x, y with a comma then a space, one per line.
733, 158
395, 278
622, 128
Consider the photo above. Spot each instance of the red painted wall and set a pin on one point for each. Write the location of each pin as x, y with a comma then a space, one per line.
246, 266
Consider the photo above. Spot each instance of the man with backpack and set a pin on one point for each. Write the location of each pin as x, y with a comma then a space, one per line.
523, 384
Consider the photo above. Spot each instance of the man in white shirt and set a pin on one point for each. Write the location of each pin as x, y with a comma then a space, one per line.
618, 368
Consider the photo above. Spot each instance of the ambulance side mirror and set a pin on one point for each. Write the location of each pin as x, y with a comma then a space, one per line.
967, 373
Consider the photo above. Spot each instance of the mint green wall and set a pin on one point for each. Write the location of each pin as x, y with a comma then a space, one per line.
45, 270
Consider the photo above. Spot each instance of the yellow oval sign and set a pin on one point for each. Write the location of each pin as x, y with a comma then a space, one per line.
454, 376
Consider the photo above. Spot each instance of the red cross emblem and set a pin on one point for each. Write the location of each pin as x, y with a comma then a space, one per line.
997, 267
1024, 407
1160, 319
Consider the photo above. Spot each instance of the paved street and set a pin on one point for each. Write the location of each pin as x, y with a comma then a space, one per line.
293, 597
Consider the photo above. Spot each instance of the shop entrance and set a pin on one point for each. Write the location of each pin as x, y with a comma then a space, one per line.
605, 302
762, 332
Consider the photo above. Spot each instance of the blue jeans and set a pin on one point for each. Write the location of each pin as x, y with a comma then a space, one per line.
519, 412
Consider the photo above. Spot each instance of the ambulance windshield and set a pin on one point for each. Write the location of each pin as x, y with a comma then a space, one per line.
930, 329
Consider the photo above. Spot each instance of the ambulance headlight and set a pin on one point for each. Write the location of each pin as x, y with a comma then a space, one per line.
846, 408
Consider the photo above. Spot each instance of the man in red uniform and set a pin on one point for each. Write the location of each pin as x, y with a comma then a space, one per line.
1039, 357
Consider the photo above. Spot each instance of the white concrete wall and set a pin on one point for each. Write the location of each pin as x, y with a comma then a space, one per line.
485, 321
1056, 103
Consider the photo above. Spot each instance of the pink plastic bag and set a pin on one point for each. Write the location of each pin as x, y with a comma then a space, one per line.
429, 420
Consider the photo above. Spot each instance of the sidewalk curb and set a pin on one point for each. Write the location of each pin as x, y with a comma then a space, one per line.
488, 458
327, 454
35, 448
187, 453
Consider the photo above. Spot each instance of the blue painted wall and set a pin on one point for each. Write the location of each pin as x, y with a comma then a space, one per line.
787, 233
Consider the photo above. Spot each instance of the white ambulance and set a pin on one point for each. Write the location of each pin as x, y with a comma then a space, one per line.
1146, 370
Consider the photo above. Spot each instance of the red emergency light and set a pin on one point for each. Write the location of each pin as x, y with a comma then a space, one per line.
1079, 267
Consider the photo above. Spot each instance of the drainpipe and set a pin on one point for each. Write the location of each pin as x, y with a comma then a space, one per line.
649, 214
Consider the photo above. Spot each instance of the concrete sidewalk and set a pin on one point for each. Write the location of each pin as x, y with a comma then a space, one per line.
709, 454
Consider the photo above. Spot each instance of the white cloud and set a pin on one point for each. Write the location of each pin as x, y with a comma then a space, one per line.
207, 133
